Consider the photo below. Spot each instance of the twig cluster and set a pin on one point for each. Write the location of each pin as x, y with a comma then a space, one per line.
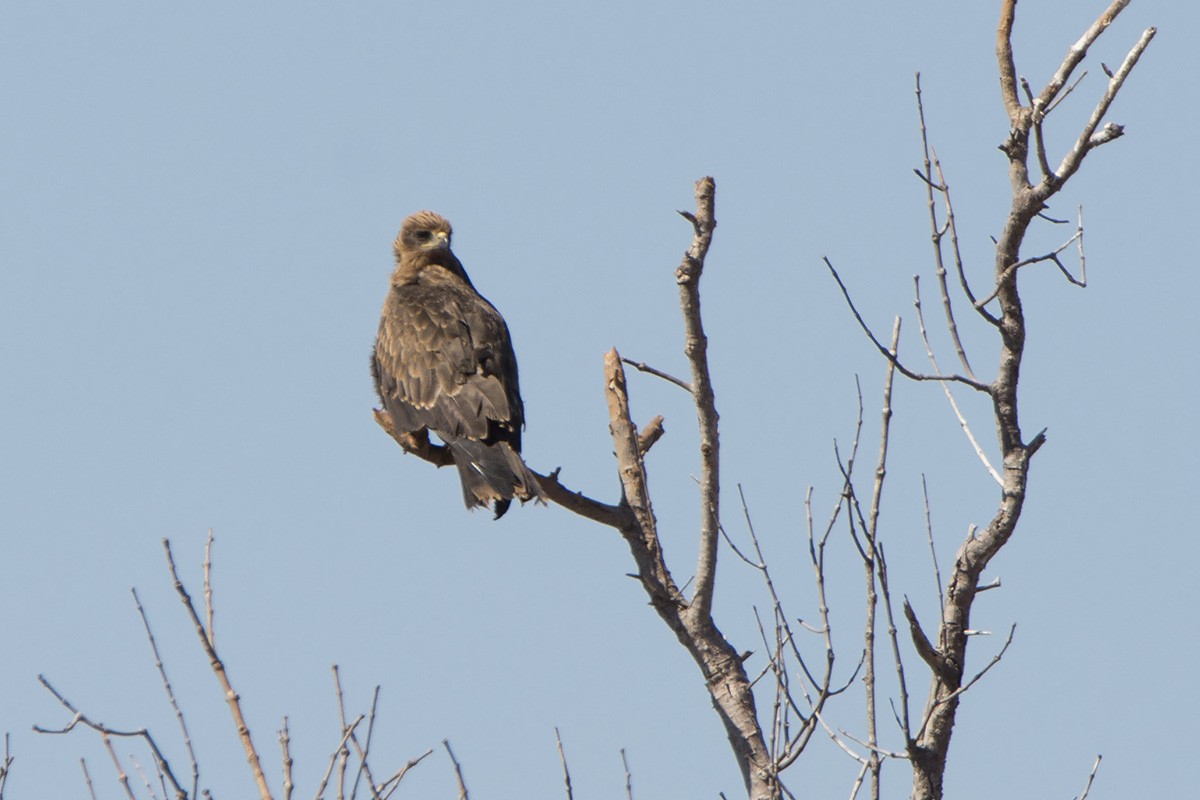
944, 654
347, 771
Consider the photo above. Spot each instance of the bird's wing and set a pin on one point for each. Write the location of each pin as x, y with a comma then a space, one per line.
442, 361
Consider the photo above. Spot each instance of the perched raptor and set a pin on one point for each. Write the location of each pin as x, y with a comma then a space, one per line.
444, 363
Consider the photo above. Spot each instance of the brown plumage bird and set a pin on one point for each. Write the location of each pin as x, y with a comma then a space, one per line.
444, 363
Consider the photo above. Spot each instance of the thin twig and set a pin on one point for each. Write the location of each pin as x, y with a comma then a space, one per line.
87, 779
871, 532
137, 767
218, 668
209, 607
106, 733
954, 695
905, 371
902, 718
1091, 777
562, 759
364, 751
1088, 137
386, 788
5, 767
962, 421
162, 672
1082, 258
343, 756
937, 571
1051, 256
628, 776
462, 786
347, 732
931, 162
642, 366
122, 775
285, 741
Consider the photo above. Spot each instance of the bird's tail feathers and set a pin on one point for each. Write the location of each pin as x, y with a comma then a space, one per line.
493, 474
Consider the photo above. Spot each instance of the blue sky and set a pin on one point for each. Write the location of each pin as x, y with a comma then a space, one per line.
196, 210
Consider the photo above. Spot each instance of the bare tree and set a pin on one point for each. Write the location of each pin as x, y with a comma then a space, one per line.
763, 745
771, 715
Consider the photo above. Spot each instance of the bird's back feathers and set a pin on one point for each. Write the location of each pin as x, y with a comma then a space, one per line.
444, 362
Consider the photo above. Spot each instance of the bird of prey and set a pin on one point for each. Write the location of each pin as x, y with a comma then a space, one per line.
444, 363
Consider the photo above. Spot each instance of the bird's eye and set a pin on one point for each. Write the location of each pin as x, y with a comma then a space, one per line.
423, 236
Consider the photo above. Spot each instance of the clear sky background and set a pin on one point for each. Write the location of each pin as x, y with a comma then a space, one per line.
197, 203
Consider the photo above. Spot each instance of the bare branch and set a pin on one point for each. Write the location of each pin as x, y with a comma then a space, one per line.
462, 786
655, 576
962, 421
785, 746
285, 757
439, 455
1088, 138
902, 719
106, 734
6, 766
562, 759
905, 371
928, 653
1051, 256
1091, 777
1039, 139
1082, 257
651, 432
364, 751
122, 775
1064, 94
209, 608
1078, 52
642, 366
871, 533
137, 767
1008, 68
386, 788
937, 571
954, 695
930, 163
696, 348
218, 668
87, 779
336, 757
342, 755
162, 672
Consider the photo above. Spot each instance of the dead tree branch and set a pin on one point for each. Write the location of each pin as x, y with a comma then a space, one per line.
704, 221
1091, 777
106, 733
633, 517
439, 455
948, 657
642, 366
207, 641
162, 672
962, 421
562, 759
905, 371
458, 776
5, 767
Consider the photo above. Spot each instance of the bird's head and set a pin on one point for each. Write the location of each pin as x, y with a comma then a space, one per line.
424, 231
